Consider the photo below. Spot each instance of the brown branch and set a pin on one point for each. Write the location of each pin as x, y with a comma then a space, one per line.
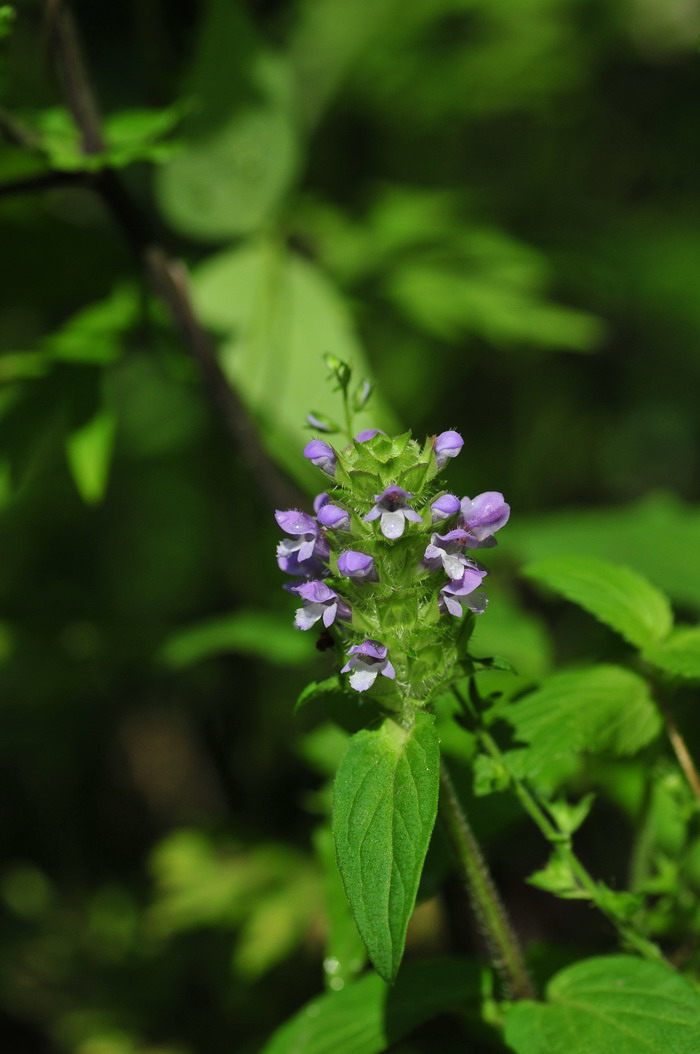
168, 276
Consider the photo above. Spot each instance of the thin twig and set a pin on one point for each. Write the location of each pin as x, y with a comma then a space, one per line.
681, 751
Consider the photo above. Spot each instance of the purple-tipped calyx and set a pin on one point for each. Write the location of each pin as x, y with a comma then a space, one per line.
454, 594
447, 445
482, 517
444, 507
365, 662
335, 517
367, 434
322, 455
357, 566
448, 550
392, 511
320, 602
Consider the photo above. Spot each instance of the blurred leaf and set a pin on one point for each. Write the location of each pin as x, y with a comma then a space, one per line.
332, 685
657, 536
612, 1005
384, 807
618, 596
275, 924
239, 151
679, 654
7, 17
368, 1016
345, 954
261, 634
89, 452
603, 709
280, 315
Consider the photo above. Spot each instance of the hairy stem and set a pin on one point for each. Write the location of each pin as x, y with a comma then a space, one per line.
503, 946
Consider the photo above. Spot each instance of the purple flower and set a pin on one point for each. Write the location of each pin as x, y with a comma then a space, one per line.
454, 594
301, 554
444, 507
368, 433
448, 550
392, 508
333, 516
322, 455
482, 517
447, 445
320, 602
320, 500
357, 566
366, 661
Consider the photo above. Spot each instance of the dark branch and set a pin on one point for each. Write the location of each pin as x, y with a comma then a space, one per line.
167, 275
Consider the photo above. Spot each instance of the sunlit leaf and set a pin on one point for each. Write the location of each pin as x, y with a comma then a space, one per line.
614, 1005
89, 451
261, 634
384, 808
679, 654
618, 596
603, 709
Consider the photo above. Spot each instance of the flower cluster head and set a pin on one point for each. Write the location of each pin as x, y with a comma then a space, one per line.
385, 564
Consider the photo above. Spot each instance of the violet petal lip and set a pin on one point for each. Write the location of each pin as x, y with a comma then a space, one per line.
371, 648
485, 514
332, 515
367, 434
294, 522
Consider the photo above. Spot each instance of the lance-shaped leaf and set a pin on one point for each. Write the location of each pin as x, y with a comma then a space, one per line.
618, 596
384, 809
611, 1005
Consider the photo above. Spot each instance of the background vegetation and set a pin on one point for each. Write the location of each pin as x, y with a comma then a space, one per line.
489, 206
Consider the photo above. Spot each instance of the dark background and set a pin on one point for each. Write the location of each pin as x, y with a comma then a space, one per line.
489, 206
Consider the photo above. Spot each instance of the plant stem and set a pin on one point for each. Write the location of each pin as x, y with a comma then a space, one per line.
681, 751
502, 943
561, 841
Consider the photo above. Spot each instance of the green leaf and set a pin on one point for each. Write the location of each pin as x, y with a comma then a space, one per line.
384, 809
259, 633
368, 1016
679, 654
613, 1005
332, 685
279, 315
603, 709
629, 534
618, 596
240, 149
89, 451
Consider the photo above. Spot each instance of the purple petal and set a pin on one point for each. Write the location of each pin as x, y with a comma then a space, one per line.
329, 614
412, 515
294, 522
453, 564
444, 507
388, 670
354, 564
447, 445
333, 516
371, 649
485, 514
322, 455
453, 606
373, 514
368, 433
320, 500
315, 592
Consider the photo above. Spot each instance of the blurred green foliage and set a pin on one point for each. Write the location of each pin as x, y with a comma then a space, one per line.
489, 206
